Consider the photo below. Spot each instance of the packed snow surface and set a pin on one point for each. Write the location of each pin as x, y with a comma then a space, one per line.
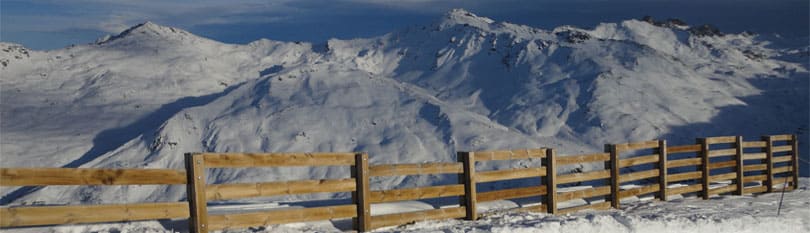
143, 98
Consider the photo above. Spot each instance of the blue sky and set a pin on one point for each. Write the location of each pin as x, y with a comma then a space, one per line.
50, 24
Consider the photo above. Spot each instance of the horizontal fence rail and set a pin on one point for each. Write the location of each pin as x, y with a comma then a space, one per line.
22, 216
711, 166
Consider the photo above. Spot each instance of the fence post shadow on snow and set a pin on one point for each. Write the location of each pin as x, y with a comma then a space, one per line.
711, 166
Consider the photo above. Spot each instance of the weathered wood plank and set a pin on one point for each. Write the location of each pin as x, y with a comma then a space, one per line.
517, 173
723, 177
250, 190
416, 193
724, 164
719, 140
638, 160
685, 176
795, 157
58, 215
684, 149
782, 169
756, 178
512, 193
756, 167
195, 193
89, 176
551, 181
360, 197
222, 160
633, 176
586, 158
637, 145
750, 156
404, 218
613, 165
509, 154
596, 206
786, 148
739, 168
585, 193
685, 189
469, 180
662, 170
781, 159
769, 162
755, 189
782, 137
264, 218
584, 176
639, 191
704, 167
725, 189
723, 152
754, 144
415, 169
684, 162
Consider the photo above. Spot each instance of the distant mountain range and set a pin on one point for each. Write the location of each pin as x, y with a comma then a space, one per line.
146, 96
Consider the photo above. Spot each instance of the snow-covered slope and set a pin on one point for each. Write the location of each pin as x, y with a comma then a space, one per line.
152, 93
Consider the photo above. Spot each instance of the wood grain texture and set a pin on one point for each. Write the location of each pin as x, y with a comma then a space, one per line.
754, 144
784, 169
684, 162
89, 176
724, 164
409, 217
720, 140
723, 152
633, 176
685, 176
586, 158
769, 162
638, 160
725, 189
755, 189
195, 193
637, 145
663, 181
685, 189
613, 165
786, 148
756, 167
750, 156
264, 218
415, 169
509, 154
512, 193
58, 215
360, 197
782, 137
416, 193
268, 189
469, 180
756, 178
221, 160
704, 167
517, 173
723, 177
782, 159
551, 163
684, 149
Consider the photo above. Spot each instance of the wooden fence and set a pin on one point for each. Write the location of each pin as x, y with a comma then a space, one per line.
712, 166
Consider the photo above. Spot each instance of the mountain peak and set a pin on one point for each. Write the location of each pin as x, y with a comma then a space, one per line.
463, 17
150, 31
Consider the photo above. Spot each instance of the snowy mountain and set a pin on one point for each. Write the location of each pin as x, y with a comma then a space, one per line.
146, 96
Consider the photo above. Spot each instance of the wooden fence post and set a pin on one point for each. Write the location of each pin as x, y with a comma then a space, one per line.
551, 181
795, 160
740, 171
662, 167
468, 161
704, 166
195, 189
614, 175
769, 162
360, 196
